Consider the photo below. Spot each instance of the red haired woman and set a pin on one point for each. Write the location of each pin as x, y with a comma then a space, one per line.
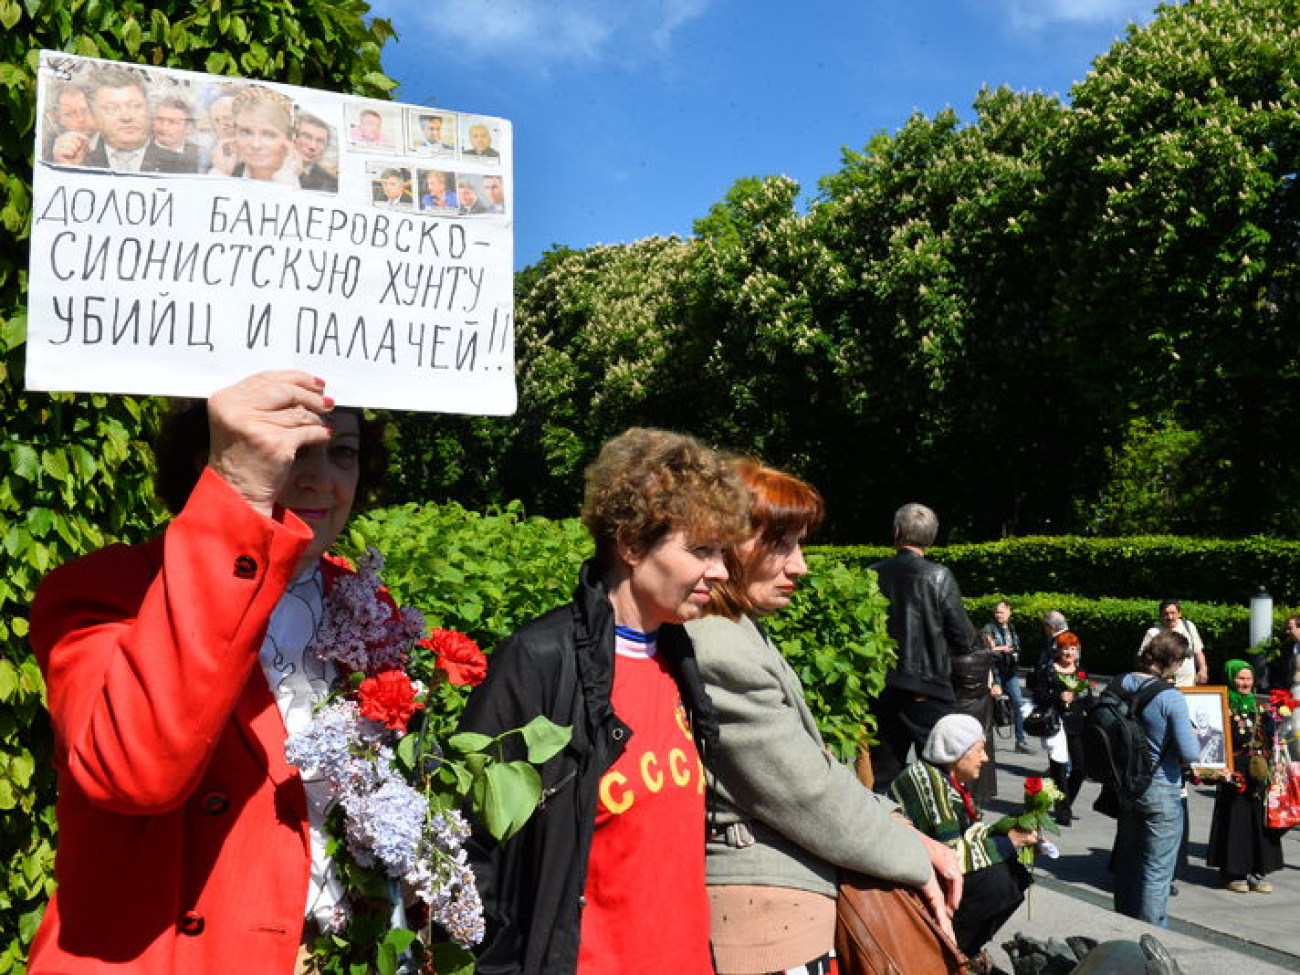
786, 816
1063, 686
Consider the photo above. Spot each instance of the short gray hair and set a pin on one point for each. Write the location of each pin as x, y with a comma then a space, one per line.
915, 524
1056, 620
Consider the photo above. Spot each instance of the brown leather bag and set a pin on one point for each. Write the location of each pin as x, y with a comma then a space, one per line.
884, 929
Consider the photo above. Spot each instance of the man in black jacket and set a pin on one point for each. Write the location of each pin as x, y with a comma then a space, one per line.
928, 620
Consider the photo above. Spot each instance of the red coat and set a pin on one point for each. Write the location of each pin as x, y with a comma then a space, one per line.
183, 832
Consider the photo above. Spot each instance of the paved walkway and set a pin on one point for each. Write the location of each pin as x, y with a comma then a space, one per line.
1212, 931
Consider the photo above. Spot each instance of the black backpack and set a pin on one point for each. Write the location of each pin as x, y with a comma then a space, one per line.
1115, 749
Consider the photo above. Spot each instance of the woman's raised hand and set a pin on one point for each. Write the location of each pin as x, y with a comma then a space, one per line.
257, 427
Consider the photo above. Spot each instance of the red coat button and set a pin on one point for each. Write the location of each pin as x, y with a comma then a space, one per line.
215, 803
191, 922
245, 567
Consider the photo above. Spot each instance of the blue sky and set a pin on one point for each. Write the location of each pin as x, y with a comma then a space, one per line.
632, 117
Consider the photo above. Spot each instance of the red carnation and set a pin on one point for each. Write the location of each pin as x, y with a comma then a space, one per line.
1033, 785
1081, 675
457, 656
389, 697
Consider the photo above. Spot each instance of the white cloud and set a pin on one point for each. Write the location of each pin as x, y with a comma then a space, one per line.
1034, 15
541, 34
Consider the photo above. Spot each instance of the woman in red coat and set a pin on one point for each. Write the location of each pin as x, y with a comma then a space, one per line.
185, 838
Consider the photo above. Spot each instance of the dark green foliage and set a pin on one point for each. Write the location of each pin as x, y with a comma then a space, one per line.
1151, 567
74, 471
1025, 319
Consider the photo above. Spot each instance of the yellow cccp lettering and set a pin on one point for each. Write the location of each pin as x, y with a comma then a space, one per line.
679, 767
650, 774
626, 797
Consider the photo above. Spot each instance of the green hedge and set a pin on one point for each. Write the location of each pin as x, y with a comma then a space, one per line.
487, 574
1149, 567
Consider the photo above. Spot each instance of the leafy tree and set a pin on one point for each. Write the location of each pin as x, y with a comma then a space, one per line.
73, 469
1175, 180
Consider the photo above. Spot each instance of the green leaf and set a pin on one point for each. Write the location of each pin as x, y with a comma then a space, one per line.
26, 461
469, 742
511, 793
131, 35
407, 752
544, 738
450, 959
391, 947
55, 463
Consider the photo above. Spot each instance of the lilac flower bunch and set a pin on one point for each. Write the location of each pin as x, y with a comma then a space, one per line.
398, 833
362, 629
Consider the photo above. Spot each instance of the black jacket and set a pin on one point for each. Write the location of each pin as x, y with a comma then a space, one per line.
927, 619
560, 665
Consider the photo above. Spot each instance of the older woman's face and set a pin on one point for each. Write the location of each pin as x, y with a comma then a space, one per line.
1244, 682
260, 141
480, 138
671, 582
322, 484
967, 768
773, 577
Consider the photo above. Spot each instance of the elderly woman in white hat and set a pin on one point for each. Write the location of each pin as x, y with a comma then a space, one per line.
932, 792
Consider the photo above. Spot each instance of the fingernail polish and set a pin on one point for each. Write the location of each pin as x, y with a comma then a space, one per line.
318, 380
329, 402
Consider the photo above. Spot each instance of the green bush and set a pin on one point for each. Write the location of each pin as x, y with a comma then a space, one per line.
488, 574
1149, 567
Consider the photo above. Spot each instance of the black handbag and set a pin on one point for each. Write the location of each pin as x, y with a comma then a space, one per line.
1042, 722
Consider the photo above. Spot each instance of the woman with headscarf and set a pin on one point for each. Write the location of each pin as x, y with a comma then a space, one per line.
1241, 845
784, 815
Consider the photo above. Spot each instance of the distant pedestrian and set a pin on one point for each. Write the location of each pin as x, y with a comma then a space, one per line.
976, 694
1149, 829
1006, 667
1193, 669
1241, 845
1190, 672
930, 625
1064, 687
1283, 671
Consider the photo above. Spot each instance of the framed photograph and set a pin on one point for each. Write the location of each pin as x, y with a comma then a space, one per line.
1208, 709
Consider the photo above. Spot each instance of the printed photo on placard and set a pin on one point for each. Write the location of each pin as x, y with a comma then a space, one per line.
373, 129
438, 191
494, 193
469, 195
390, 186
430, 132
479, 139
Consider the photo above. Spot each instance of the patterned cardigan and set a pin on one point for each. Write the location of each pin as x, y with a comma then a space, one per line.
935, 808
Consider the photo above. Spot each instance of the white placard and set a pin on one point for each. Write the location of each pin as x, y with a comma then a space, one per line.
191, 229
